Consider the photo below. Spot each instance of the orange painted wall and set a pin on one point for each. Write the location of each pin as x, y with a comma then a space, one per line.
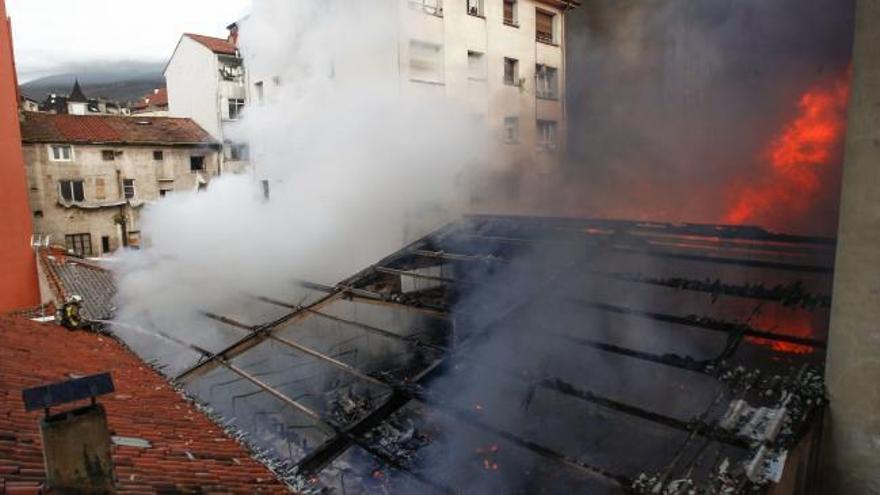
18, 270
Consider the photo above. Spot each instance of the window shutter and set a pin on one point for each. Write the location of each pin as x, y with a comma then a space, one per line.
544, 25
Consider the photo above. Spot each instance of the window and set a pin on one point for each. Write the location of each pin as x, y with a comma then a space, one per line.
108, 155
72, 191
547, 134
128, 188
164, 192
258, 89
38, 213
80, 244
196, 163
236, 107
60, 153
475, 7
511, 71
237, 152
425, 61
546, 82
476, 65
544, 26
510, 17
100, 189
433, 7
511, 130
134, 239
158, 155
105, 244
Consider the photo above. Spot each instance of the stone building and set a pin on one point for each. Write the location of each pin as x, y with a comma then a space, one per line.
89, 176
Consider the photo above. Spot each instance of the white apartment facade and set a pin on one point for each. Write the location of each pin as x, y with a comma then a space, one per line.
205, 81
502, 59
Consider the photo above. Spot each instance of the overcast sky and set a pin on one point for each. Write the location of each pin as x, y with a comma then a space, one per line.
50, 35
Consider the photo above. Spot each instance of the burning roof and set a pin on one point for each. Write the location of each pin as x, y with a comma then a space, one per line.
501, 353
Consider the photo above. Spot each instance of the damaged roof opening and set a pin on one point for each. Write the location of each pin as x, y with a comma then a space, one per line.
501, 353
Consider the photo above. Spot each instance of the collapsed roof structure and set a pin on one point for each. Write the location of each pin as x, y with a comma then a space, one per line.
503, 354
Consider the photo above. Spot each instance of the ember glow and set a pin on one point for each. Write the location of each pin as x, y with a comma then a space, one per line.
794, 324
795, 158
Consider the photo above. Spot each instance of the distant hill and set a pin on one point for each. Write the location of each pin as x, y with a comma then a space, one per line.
123, 82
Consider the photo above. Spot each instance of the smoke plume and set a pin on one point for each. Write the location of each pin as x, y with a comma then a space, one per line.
356, 165
673, 106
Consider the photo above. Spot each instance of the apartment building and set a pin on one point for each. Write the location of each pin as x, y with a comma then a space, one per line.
502, 59
89, 176
205, 82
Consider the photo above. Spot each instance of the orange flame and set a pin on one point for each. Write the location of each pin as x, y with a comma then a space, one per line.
792, 324
796, 156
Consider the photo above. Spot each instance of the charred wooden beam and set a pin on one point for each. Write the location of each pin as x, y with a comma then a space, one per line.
671, 360
775, 265
303, 349
473, 420
703, 322
379, 331
377, 298
251, 340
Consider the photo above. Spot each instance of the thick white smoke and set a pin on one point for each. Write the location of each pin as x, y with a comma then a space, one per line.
356, 160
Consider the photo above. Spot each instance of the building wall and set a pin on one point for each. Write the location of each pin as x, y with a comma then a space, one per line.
192, 79
102, 179
17, 262
853, 439
488, 98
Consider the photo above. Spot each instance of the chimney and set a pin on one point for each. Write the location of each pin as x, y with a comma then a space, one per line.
76, 442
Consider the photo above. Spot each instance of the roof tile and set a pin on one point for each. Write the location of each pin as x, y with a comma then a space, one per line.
38, 127
216, 45
26, 346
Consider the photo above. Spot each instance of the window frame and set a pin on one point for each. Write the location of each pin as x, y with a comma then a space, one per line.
70, 156
235, 103
128, 185
200, 159
71, 241
478, 10
483, 68
434, 76
552, 39
514, 81
544, 144
540, 82
511, 123
71, 190
514, 13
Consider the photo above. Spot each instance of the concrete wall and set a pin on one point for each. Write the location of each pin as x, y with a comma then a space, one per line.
853, 368
488, 98
96, 215
192, 78
17, 265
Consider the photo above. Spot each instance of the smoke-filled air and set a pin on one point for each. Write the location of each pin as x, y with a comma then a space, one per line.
355, 166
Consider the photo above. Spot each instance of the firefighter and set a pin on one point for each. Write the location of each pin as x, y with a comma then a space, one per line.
68, 315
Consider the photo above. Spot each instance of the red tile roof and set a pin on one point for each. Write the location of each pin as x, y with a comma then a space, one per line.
39, 127
156, 98
188, 452
216, 45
